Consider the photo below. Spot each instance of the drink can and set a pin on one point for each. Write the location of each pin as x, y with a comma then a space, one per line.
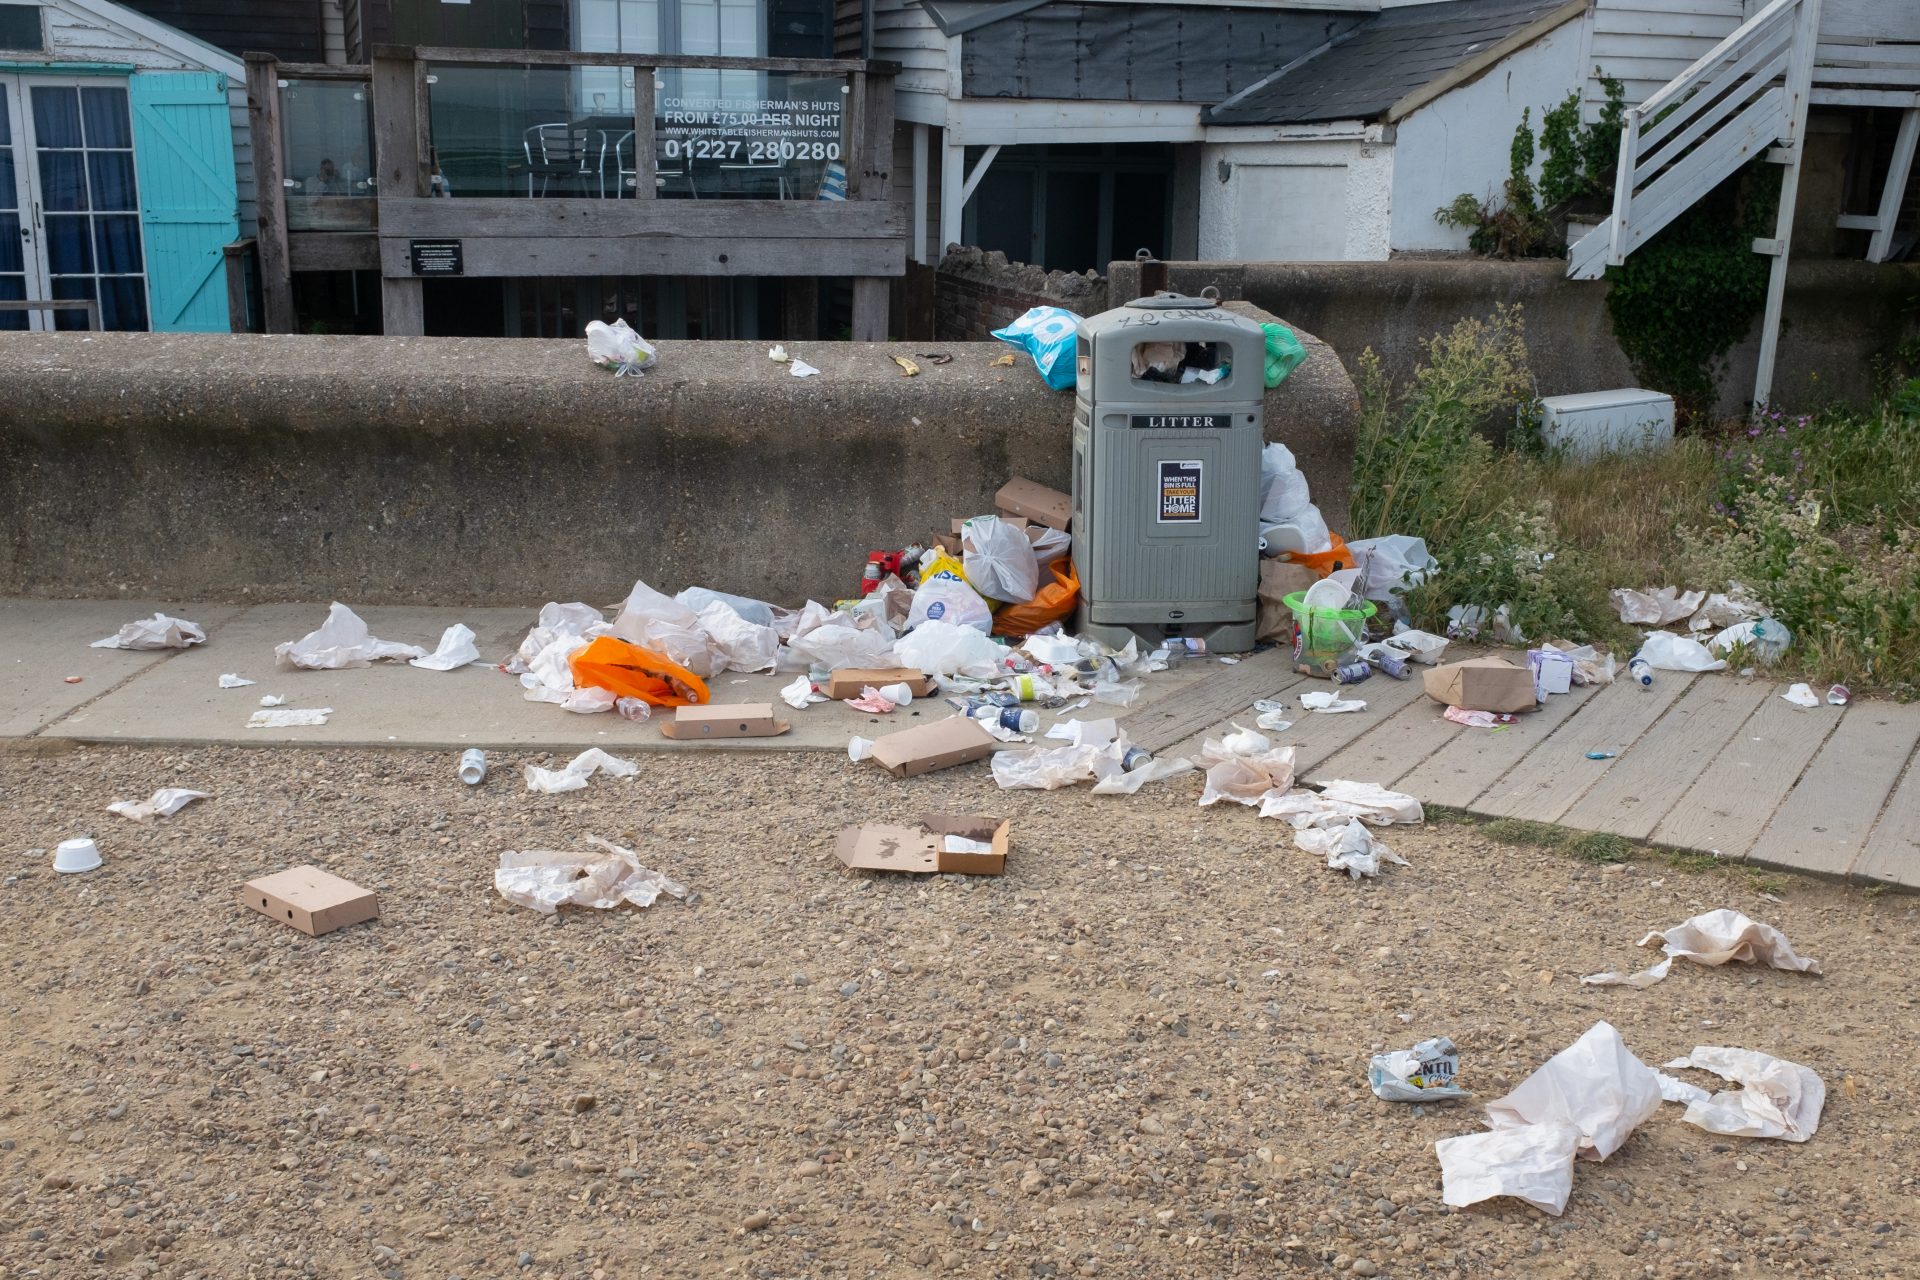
1389, 663
1352, 672
1134, 758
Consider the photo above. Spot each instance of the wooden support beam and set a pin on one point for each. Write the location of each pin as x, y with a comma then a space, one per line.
270, 195
953, 163
1799, 86
876, 152
399, 159
870, 297
403, 311
1880, 248
920, 193
643, 141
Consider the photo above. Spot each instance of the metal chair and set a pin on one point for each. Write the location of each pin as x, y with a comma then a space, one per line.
564, 152
630, 177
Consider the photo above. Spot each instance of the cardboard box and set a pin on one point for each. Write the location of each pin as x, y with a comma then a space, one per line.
1036, 502
849, 681
923, 849
311, 900
940, 745
950, 544
725, 720
1482, 684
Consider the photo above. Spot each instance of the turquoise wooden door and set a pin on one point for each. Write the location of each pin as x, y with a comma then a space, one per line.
189, 206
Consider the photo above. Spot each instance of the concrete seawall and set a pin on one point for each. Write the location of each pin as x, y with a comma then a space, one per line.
476, 471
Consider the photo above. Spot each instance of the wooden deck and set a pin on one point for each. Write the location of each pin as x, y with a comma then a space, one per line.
1710, 763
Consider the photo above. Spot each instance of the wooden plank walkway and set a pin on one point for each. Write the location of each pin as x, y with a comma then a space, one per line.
1711, 763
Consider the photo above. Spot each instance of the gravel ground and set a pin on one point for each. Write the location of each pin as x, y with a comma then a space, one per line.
1140, 1053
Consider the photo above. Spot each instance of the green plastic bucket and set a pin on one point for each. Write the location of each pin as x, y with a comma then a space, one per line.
1322, 635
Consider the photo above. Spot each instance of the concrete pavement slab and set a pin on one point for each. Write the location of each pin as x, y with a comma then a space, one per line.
42, 642
393, 704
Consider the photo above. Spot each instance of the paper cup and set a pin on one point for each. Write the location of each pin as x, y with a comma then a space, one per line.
76, 855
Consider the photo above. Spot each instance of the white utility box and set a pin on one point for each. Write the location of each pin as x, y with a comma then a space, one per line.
1607, 421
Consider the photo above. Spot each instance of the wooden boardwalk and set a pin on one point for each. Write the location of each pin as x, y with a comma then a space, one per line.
1706, 763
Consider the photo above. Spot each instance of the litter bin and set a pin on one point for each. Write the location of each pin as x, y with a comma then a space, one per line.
1168, 424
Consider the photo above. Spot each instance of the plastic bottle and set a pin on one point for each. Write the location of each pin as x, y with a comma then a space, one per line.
1641, 670
473, 766
1190, 646
1017, 719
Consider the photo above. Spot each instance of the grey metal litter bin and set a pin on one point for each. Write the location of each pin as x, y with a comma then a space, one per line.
1168, 424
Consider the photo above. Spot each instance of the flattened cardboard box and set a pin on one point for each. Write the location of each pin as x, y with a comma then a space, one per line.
1022, 497
1481, 684
940, 745
922, 849
311, 900
849, 681
725, 720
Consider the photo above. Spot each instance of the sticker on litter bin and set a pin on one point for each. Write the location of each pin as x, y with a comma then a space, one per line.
1179, 492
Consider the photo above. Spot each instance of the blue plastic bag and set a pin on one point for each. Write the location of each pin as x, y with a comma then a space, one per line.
1047, 334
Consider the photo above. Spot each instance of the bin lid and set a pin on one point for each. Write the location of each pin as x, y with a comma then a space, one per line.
1164, 301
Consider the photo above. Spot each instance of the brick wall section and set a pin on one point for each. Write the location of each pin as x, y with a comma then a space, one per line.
976, 292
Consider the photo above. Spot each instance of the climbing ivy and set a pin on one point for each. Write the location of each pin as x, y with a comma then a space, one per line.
1682, 300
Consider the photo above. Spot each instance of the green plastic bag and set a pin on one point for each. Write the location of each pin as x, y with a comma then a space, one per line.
1284, 353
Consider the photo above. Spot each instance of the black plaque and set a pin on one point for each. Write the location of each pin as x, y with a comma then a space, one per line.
437, 257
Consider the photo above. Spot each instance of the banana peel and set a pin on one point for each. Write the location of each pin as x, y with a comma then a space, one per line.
1006, 360
908, 369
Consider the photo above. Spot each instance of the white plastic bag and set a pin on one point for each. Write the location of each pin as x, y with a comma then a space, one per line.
839, 645
1655, 608
574, 774
1532, 1162
1778, 1098
945, 648
1044, 768
546, 879
617, 347
1595, 1084
758, 612
1391, 564
952, 601
999, 560
1766, 639
157, 632
1284, 492
1049, 545
164, 803
340, 642
738, 645
1351, 848
1244, 779
663, 625
1665, 651
1713, 938
456, 649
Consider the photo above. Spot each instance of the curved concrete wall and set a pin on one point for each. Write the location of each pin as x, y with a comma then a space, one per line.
472, 471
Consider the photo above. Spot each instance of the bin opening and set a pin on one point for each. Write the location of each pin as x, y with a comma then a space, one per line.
1207, 362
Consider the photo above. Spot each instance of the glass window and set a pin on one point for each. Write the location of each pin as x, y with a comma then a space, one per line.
327, 138
104, 112
56, 117
20, 27
83, 143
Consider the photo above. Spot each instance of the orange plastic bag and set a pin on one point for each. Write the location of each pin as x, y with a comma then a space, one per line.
633, 672
1053, 602
1325, 562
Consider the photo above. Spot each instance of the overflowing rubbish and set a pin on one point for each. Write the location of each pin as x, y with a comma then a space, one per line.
473, 766
341, 642
618, 349
547, 879
941, 843
1428, 1072
1776, 1098
1583, 1101
1717, 937
311, 900
289, 717
1482, 684
1655, 608
1802, 695
1290, 523
231, 681
999, 560
1284, 353
456, 649
574, 774
1047, 334
626, 670
70, 857
1391, 565
164, 803
157, 632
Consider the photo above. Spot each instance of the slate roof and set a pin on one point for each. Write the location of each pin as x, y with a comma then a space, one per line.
1359, 76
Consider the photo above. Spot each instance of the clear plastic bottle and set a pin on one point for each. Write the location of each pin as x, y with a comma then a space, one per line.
1018, 719
1641, 670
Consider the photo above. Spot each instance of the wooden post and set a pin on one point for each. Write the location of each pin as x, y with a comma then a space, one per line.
235, 258
1881, 246
800, 308
1799, 85
400, 159
953, 164
270, 194
643, 143
873, 169
920, 193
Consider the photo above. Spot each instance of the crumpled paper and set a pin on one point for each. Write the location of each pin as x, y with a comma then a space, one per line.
1583, 1101
1350, 848
342, 641
289, 717
574, 774
1339, 802
1425, 1073
231, 681
801, 369
456, 649
547, 879
1655, 608
164, 803
1327, 702
1113, 780
1244, 779
273, 700
1085, 733
157, 632
872, 701
1713, 938
801, 694
1802, 695
544, 661
1777, 1098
